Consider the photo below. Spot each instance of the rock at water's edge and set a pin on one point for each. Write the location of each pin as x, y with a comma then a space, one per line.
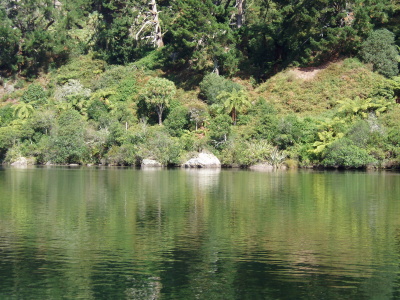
23, 161
151, 163
203, 160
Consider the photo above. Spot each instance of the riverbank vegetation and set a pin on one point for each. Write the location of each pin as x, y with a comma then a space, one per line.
306, 84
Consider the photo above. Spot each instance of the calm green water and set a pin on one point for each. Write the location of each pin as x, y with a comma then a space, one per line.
91, 233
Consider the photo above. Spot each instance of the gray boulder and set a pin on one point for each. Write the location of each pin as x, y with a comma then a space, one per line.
23, 162
151, 163
203, 160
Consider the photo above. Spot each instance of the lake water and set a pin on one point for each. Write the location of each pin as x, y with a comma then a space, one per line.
122, 233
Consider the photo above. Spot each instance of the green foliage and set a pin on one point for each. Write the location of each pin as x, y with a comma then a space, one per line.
361, 107
9, 45
177, 121
159, 93
67, 144
125, 91
289, 91
253, 152
41, 121
159, 145
343, 153
112, 76
198, 114
6, 115
152, 60
34, 95
124, 155
234, 102
202, 36
291, 130
219, 130
380, 50
97, 109
212, 85
83, 68
23, 110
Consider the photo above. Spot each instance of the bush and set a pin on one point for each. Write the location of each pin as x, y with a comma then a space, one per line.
112, 77
153, 60
125, 91
96, 110
212, 85
219, 129
380, 50
124, 155
34, 95
67, 144
71, 90
177, 121
159, 145
250, 153
83, 68
6, 114
343, 153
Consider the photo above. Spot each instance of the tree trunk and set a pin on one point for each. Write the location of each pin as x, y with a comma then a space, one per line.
159, 119
158, 41
239, 17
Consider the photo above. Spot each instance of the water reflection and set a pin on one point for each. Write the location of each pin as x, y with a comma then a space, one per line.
94, 233
204, 178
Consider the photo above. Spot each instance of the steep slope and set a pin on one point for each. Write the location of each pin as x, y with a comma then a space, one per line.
314, 90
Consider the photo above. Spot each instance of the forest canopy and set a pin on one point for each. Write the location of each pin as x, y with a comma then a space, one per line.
255, 37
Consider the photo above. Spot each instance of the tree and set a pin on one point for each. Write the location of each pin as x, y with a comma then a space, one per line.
198, 114
380, 50
158, 93
41, 36
235, 101
200, 35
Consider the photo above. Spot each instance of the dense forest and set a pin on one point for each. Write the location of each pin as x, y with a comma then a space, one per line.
293, 82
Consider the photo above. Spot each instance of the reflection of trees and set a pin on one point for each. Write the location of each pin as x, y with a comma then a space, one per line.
198, 233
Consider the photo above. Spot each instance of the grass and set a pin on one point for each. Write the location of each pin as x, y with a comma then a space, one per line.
291, 93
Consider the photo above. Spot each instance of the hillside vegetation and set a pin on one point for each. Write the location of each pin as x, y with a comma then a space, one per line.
87, 111
304, 83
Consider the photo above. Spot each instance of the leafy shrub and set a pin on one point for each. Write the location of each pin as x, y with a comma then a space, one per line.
96, 109
83, 68
193, 141
125, 91
159, 145
112, 77
6, 114
122, 155
153, 60
67, 144
212, 85
380, 50
34, 95
72, 89
252, 152
291, 130
359, 133
177, 121
9, 41
343, 153
219, 129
